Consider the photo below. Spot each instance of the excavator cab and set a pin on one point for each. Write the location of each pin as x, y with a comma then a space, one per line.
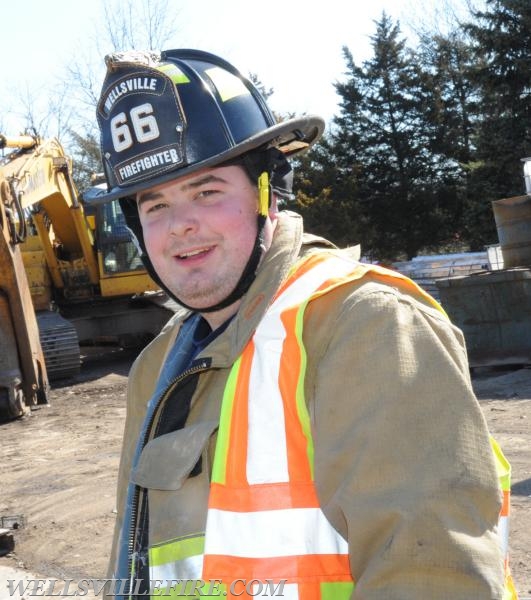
118, 253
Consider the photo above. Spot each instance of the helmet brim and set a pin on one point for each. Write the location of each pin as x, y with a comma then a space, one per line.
291, 137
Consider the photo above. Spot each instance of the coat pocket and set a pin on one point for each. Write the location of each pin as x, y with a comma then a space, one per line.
166, 461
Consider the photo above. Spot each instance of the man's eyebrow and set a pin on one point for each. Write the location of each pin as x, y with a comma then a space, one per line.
209, 178
206, 179
146, 197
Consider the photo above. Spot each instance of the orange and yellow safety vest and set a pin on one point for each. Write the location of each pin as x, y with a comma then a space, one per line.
264, 520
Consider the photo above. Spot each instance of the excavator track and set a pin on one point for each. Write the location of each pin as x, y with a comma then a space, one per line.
60, 345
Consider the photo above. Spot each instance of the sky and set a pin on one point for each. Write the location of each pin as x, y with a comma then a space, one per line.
293, 46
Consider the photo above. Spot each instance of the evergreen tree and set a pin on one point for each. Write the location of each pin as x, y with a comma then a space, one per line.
502, 36
327, 177
390, 173
450, 96
392, 153
425, 141
325, 199
86, 157
449, 108
382, 132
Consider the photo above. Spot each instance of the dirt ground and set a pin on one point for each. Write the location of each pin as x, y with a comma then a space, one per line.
59, 467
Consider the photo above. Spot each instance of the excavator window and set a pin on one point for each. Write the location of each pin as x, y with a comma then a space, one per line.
119, 254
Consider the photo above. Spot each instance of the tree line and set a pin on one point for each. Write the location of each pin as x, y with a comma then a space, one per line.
425, 138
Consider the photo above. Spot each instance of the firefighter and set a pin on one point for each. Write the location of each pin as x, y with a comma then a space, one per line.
307, 421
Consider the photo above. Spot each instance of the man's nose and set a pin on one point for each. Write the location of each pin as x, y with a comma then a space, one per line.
183, 220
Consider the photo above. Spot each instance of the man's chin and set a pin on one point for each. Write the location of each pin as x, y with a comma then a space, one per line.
202, 299
203, 303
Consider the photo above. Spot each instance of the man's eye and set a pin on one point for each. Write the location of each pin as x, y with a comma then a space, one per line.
155, 207
206, 193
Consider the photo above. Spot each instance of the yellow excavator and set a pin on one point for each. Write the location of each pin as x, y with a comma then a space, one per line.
70, 275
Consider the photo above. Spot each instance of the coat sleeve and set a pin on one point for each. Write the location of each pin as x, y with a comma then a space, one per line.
403, 463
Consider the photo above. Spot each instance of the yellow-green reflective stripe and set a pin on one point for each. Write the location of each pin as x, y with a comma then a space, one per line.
175, 74
132, 575
502, 466
219, 468
302, 409
509, 592
176, 550
337, 590
228, 85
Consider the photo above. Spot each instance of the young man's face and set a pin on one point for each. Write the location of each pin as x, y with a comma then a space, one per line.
199, 232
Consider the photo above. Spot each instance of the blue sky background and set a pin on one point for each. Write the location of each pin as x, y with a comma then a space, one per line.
294, 46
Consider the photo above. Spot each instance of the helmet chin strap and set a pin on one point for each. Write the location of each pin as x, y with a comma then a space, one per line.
249, 272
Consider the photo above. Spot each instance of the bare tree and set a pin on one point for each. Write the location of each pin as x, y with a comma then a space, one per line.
441, 18
68, 104
146, 25
126, 24
32, 111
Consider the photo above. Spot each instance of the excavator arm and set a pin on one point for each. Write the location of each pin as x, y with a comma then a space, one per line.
23, 375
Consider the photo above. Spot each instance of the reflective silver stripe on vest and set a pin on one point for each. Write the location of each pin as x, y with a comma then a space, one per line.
267, 462
283, 532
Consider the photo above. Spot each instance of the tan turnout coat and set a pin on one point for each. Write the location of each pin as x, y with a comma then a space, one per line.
403, 465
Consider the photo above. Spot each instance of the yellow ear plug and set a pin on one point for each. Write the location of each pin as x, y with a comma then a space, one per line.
263, 194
